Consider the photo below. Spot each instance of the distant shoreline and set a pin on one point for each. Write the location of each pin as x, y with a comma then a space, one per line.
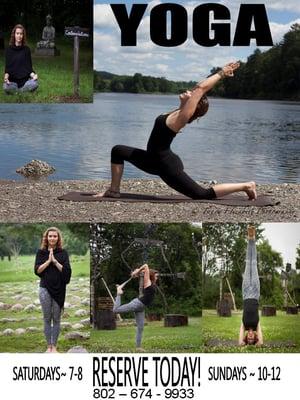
211, 97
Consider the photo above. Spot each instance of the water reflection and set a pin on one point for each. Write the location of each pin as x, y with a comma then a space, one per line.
237, 140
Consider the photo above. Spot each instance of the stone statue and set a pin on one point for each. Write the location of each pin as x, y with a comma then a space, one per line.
48, 35
46, 47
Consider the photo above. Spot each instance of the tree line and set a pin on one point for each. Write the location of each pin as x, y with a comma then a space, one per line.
32, 14
181, 247
273, 74
138, 83
25, 239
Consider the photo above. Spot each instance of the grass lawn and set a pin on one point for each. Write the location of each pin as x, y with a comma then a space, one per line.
20, 269
56, 76
18, 284
156, 339
281, 328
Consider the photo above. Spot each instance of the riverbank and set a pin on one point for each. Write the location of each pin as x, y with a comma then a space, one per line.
38, 202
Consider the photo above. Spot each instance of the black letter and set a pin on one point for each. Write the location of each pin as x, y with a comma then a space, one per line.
128, 24
201, 25
96, 367
158, 25
243, 32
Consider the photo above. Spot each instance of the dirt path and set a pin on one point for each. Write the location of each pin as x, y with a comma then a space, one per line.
37, 202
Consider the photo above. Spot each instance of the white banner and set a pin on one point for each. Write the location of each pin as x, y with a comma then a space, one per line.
148, 376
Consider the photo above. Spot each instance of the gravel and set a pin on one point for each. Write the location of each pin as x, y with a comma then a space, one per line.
26, 201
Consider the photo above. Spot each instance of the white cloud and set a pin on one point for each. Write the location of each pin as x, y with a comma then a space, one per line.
104, 17
279, 30
187, 62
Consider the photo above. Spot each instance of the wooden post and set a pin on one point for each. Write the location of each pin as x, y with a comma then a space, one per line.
76, 32
76, 66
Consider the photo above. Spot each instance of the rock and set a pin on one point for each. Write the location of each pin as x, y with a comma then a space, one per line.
30, 308
65, 315
17, 307
35, 168
36, 302
25, 298
8, 332
67, 305
9, 320
32, 329
77, 349
20, 331
76, 298
17, 297
81, 313
78, 325
85, 322
77, 335
4, 306
85, 302
65, 325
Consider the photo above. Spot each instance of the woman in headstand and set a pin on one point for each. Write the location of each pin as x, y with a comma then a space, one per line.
159, 160
250, 330
19, 75
53, 267
138, 305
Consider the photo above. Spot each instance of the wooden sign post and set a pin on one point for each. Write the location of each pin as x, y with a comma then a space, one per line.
76, 32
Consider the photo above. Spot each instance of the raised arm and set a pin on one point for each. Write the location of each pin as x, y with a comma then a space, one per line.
145, 269
259, 333
190, 99
242, 335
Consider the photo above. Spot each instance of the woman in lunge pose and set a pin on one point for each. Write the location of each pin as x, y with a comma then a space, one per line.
159, 159
250, 330
53, 267
19, 75
138, 305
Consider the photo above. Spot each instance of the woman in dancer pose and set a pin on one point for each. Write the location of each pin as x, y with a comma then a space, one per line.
159, 159
53, 267
250, 330
138, 305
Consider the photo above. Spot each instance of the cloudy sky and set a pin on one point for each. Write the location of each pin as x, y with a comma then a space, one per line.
284, 238
188, 61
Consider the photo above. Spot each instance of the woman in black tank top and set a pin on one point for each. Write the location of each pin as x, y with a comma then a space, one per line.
250, 330
159, 159
138, 305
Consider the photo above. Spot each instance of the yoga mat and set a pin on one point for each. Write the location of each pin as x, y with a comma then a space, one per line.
231, 200
234, 343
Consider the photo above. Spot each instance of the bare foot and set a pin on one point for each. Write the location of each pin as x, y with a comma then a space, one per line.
108, 193
119, 289
251, 190
49, 349
54, 349
140, 350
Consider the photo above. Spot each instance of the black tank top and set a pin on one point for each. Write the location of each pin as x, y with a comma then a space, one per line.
148, 295
161, 136
250, 314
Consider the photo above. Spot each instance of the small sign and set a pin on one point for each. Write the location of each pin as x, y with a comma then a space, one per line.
72, 31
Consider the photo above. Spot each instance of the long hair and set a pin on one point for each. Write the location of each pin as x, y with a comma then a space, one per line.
12, 39
152, 273
252, 342
201, 109
44, 242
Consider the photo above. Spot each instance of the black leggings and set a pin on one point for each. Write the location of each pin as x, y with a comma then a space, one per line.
166, 165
